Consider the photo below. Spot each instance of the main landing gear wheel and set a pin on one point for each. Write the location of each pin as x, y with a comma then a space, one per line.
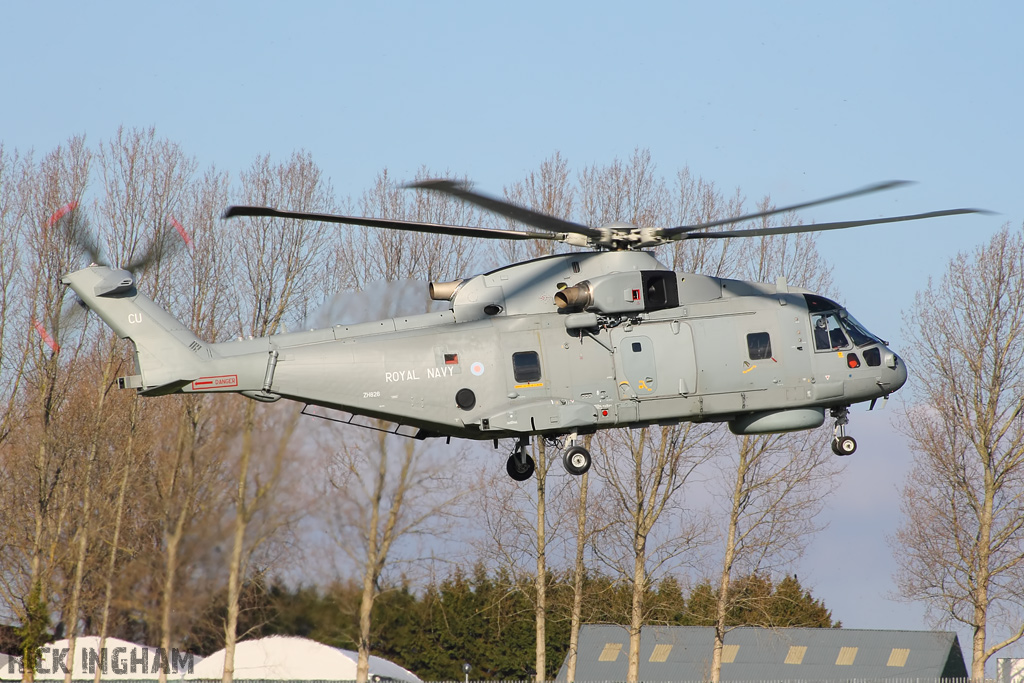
520, 468
844, 445
520, 465
576, 460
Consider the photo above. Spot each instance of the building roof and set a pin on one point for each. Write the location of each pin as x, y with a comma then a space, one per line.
295, 659
683, 653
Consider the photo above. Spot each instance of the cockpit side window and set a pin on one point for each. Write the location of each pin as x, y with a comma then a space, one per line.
828, 333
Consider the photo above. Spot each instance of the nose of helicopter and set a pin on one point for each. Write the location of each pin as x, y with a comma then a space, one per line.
897, 370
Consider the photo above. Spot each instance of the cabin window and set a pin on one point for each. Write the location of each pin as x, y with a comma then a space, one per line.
759, 345
526, 366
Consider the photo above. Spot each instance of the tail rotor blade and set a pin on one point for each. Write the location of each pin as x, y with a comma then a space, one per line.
167, 241
70, 221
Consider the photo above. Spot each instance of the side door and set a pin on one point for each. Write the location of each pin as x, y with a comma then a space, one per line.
655, 360
794, 352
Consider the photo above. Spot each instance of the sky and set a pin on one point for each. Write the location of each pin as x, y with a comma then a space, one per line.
795, 100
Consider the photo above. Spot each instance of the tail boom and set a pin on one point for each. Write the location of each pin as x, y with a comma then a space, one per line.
167, 354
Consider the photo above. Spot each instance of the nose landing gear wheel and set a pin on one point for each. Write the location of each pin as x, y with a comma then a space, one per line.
841, 443
844, 445
576, 460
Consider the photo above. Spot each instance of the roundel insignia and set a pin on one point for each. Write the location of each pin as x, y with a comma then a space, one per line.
477, 368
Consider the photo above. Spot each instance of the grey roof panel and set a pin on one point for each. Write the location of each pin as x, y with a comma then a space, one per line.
760, 654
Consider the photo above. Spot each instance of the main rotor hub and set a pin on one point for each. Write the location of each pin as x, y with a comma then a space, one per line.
619, 236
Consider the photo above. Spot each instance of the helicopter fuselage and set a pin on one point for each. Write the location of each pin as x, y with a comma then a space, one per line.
566, 344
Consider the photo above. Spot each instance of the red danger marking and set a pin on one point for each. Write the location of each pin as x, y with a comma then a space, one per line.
181, 231
61, 212
220, 382
46, 336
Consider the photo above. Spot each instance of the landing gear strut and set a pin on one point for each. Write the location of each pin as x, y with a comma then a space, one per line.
520, 465
841, 443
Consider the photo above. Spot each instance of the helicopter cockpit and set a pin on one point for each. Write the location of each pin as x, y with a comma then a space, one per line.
838, 330
835, 329
841, 341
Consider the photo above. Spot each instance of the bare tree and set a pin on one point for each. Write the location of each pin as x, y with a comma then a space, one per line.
91, 434
15, 344
540, 607
382, 494
520, 535
186, 476
548, 190
697, 201
630, 192
592, 519
960, 548
276, 259
775, 484
395, 486
126, 461
644, 473
61, 177
779, 483
370, 255
145, 184
15, 172
578, 573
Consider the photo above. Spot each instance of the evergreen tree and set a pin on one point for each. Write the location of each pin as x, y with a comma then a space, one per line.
756, 601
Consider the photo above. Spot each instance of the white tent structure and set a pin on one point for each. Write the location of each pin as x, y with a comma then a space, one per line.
296, 659
119, 659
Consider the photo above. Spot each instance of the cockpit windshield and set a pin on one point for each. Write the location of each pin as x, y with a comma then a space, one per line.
834, 327
859, 333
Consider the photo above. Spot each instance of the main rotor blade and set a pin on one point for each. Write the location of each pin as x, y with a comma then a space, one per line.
816, 227
877, 187
391, 224
507, 209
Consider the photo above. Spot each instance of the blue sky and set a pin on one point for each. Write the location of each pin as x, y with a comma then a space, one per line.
795, 100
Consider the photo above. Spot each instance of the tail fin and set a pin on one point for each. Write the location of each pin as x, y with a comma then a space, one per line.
167, 354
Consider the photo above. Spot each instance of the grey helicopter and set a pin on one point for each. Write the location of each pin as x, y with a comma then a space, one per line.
556, 348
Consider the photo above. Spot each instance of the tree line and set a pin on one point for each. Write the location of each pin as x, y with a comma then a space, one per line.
485, 618
128, 516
